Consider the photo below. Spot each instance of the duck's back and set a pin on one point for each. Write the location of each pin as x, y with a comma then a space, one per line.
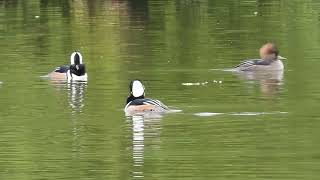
260, 65
62, 69
145, 101
145, 104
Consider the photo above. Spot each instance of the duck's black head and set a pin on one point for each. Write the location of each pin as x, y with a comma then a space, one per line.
76, 65
76, 59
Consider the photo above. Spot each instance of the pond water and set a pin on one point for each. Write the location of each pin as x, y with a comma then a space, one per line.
231, 125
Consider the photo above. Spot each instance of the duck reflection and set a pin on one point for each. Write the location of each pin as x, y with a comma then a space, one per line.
269, 82
143, 128
137, 141
76, 93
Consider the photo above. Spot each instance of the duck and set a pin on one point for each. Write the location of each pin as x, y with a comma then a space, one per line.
137, 103
76, 71
270, 60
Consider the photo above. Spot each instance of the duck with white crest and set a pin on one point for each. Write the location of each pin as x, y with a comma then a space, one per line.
137, 103
76, 71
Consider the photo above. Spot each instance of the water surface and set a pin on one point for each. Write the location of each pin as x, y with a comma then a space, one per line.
232, 126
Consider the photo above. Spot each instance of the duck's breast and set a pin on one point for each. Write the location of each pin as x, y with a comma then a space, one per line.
145, 105
74, 77
277, 65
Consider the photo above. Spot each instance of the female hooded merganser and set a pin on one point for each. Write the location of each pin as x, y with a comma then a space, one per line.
137, 103
270, 60
75, 71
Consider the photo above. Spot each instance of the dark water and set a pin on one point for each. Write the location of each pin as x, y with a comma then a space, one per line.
232, 126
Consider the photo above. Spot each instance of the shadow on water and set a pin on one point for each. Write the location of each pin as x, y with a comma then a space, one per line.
92, 7
9, 3
63, 5
138, 11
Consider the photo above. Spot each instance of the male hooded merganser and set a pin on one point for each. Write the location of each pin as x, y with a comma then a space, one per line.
270, 60
75, 71
137, 103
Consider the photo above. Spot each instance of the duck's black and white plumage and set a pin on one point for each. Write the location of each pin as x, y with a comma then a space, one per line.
270, 60
137, 103
75, 71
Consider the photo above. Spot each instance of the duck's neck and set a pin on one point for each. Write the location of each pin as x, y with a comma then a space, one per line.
131, 98
270, 58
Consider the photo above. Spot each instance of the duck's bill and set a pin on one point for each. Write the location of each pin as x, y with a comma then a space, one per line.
281, 58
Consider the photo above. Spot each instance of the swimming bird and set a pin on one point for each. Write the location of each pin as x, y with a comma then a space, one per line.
76, 71
270, 60
137, 103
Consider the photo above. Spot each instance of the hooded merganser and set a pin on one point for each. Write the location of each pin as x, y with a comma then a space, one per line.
270, 60
75, 71
137, 103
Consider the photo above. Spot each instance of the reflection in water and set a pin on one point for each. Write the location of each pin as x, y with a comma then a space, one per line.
9, 3
76, 94
138, 145
269, 82
143, 128
138, 11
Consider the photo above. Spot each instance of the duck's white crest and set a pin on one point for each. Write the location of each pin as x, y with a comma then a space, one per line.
72, 57
137, 89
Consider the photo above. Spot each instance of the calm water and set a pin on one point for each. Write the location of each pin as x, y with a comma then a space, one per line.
232, 126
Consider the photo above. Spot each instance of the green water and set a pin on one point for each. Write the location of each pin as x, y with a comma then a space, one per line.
266, 129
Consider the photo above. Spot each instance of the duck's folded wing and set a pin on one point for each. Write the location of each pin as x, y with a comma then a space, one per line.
246, 63
62, 69
252, 62
155, 103
137, 102
152, 102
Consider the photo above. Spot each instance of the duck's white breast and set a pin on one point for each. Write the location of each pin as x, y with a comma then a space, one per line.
76, 78
276, 66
